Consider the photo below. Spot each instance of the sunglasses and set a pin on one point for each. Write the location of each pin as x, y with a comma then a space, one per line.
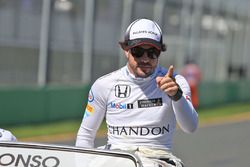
138, 52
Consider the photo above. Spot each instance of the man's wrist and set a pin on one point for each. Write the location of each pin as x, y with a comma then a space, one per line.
178, 94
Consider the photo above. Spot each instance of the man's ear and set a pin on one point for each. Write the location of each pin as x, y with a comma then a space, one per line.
126, 53
123, 45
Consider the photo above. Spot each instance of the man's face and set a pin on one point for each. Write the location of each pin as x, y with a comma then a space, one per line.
142, 60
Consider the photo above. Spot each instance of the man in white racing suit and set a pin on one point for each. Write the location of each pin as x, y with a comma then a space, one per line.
142, 102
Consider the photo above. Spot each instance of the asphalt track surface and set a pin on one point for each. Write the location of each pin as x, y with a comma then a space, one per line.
225, 145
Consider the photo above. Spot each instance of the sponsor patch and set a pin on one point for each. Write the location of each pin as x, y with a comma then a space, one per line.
91, 96
122, 91
89, 110
138, 131
150, 103
121, 105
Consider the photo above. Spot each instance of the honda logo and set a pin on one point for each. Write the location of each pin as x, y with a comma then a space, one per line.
122, 91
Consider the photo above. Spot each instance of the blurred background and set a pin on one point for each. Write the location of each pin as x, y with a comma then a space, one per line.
52, 50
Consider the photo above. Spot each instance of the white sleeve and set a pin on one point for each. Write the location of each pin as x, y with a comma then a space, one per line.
186, 115
93, 117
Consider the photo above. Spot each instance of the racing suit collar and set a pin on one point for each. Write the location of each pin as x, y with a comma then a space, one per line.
139, 80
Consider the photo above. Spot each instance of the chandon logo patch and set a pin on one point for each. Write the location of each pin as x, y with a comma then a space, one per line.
138, 131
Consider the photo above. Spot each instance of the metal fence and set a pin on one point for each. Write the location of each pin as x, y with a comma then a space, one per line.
75, 41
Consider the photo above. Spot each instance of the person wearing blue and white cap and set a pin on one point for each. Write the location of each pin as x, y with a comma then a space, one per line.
7, 136
142, 102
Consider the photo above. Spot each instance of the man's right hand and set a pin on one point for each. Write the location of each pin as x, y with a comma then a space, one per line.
167, 83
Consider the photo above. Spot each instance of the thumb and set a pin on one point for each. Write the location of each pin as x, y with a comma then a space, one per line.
170, 72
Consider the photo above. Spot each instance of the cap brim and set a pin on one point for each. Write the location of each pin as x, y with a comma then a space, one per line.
137, 42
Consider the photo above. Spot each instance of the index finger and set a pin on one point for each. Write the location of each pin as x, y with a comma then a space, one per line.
170, 72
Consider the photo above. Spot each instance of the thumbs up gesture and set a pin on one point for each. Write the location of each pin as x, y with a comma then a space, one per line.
167, 83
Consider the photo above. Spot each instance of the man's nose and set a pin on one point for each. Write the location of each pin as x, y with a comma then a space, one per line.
145, 57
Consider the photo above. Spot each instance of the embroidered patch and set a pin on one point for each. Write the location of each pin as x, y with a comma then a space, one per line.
88, 111
150, 103
91, 96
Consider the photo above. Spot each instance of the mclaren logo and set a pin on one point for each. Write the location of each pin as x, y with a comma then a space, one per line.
122, 91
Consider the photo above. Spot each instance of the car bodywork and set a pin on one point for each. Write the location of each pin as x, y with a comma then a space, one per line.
20, 154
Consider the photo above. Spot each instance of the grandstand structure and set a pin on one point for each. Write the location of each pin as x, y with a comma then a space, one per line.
52, 50
66, 42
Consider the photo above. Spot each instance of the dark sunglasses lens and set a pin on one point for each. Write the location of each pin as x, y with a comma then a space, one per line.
137, 52
151, 52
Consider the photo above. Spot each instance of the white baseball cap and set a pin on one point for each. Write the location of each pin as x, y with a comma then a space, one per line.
143, 31
6, 135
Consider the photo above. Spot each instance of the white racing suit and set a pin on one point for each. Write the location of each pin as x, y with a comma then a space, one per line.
137, 112
150, 157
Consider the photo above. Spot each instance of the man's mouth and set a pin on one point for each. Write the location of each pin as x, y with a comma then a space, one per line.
144, 66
